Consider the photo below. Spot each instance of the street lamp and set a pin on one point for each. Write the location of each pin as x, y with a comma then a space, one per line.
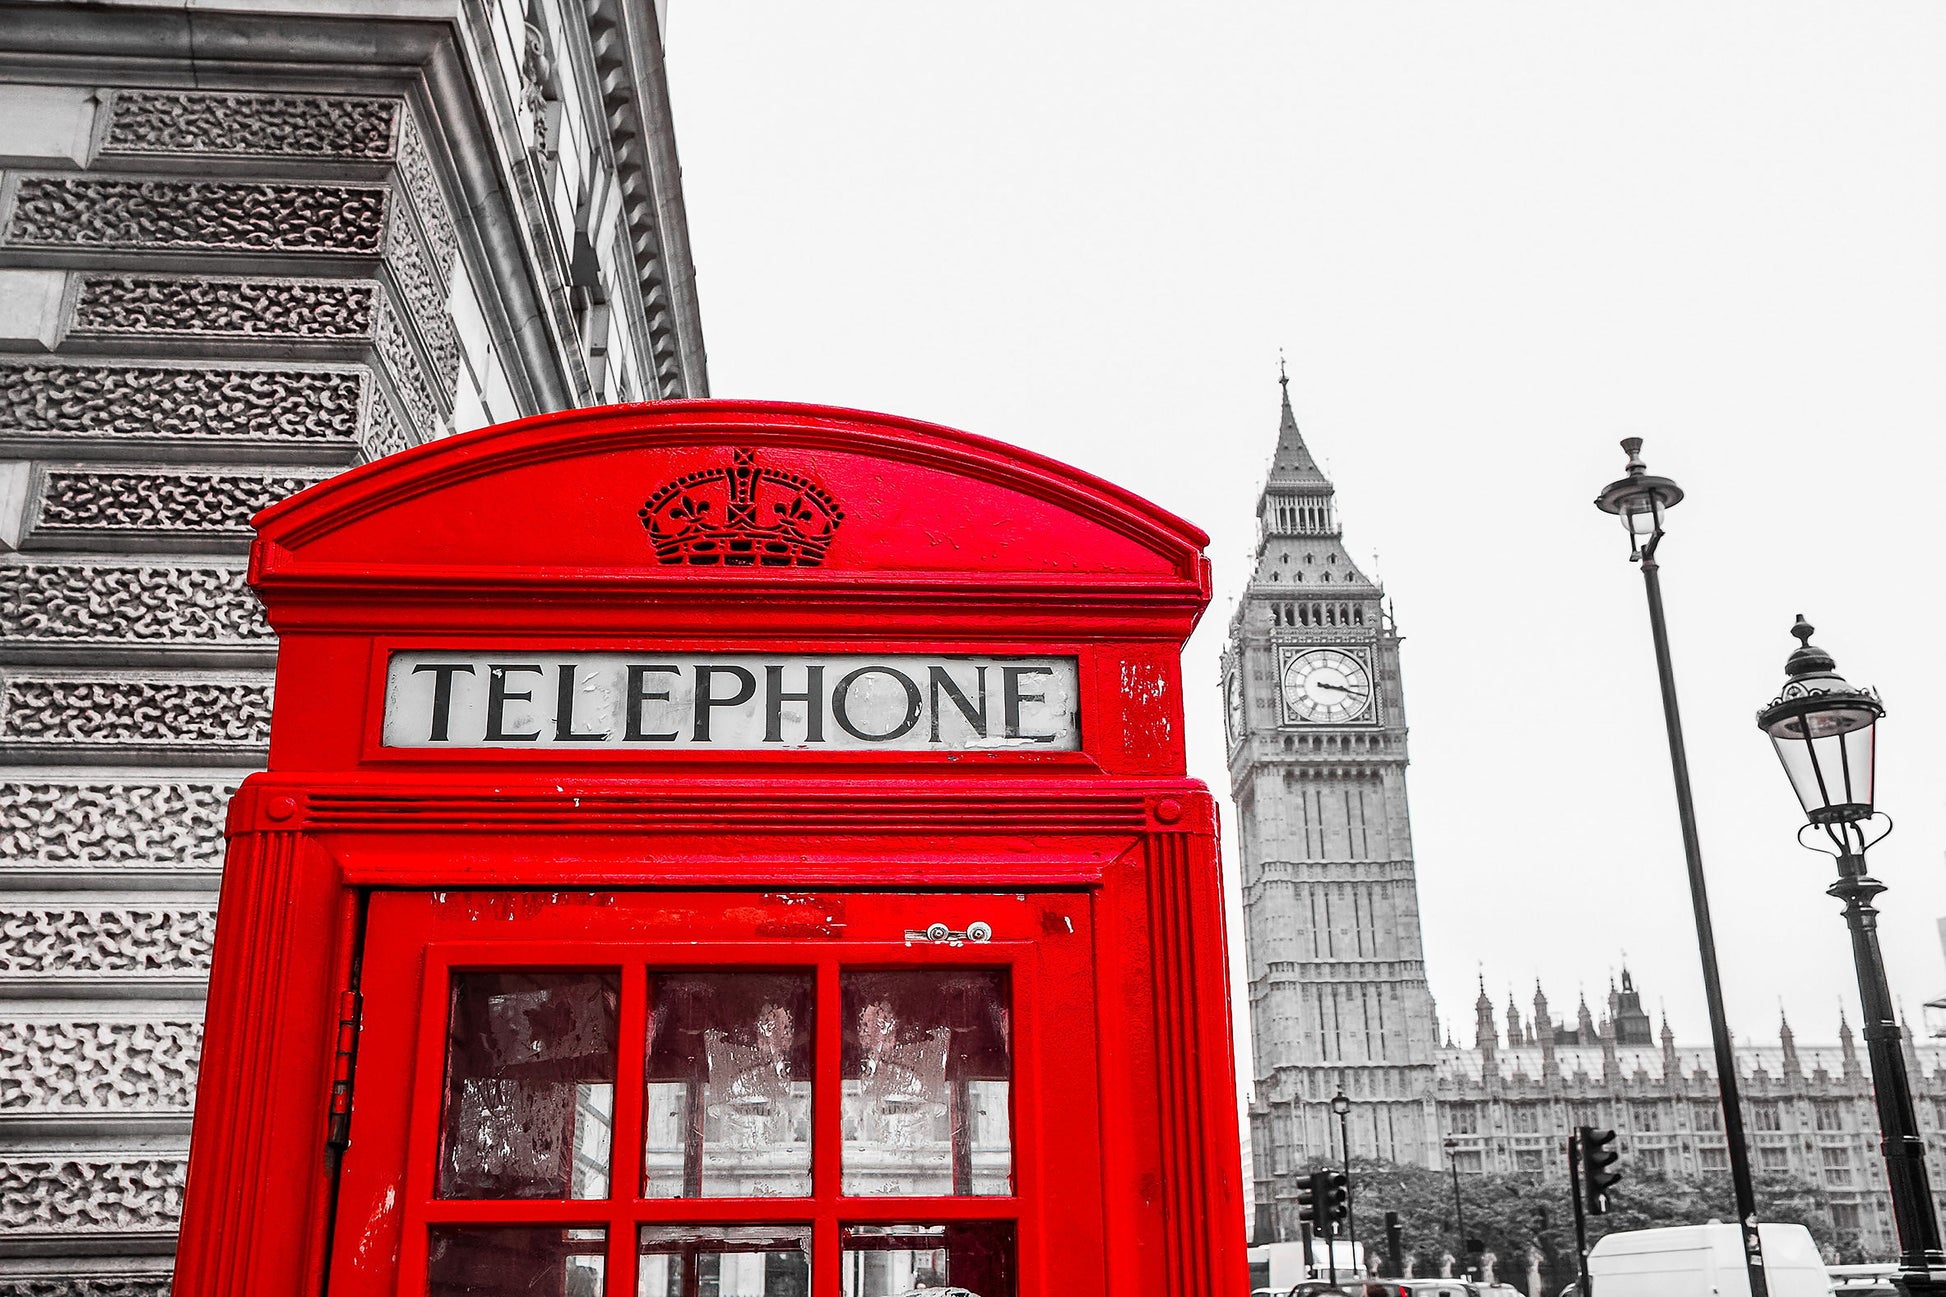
1341, 1105
1824, 731
1642, 502
1459, 1213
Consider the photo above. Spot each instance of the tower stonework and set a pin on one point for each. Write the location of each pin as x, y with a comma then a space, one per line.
1315, 718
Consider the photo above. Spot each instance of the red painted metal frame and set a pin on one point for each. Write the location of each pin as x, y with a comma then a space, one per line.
527, 535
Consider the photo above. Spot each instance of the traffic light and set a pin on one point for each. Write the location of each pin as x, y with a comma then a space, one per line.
1596, 1158
1335, 1195
1308, 1202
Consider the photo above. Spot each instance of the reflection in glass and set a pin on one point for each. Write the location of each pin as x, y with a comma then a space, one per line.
927, 1079
515, 1261
885, 1260
725, 1261
728, 1107
530, 1085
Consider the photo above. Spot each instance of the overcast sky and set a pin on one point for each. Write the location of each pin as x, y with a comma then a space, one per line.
1493, 239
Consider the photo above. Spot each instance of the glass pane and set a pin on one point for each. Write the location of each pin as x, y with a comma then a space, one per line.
928, 1076
530, 1085
515, 1261
725, 1261
728, 1107
967, 1259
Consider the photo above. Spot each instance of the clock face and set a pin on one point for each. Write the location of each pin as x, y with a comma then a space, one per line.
1325, 686
1233, 706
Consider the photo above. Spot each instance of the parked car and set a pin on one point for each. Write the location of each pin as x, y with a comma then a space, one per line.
1418, 1288
1493, 1290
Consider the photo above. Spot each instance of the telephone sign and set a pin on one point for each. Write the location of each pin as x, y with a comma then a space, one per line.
729, 701
720, 848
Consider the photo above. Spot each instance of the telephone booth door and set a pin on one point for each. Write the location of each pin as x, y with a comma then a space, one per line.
721, 1094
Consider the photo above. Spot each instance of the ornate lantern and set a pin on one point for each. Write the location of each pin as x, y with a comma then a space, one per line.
1823, 730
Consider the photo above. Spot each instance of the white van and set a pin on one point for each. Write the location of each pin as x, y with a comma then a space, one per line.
1705, 1261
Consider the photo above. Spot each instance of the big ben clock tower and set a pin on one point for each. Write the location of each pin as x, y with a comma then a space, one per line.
1317, 748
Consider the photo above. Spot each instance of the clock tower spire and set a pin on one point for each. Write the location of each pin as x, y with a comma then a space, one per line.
1317, 746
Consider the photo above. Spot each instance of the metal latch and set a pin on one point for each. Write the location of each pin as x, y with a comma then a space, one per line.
976, 931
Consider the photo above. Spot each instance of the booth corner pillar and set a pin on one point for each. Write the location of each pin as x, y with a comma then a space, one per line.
720, 837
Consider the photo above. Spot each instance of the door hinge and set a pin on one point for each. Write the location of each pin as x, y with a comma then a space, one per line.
350, 1006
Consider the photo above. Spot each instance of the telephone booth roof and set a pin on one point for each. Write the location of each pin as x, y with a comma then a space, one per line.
901, 527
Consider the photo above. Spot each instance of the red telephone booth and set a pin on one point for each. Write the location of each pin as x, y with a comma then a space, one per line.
720, 848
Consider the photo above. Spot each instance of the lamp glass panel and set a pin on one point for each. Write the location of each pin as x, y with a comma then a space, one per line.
1860, 750
1829, 772
1802, 769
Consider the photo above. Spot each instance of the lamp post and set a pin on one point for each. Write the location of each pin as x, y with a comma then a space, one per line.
1642, 501
1825, 731
1459, 1213
1341, 1105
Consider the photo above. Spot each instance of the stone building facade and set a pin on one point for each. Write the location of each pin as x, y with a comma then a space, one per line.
245, 244
1508, 1102
1337, 981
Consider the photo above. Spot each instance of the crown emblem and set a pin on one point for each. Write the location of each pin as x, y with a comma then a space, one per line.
741, 516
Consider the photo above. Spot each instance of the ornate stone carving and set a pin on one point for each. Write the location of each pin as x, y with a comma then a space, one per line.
408, 377
424, 297
428, 198
85, 603
220, 714
85, 500
168, 401
42, 942
82, 211
113, 824
152, 1285
294, 126
55, 1194
383, 432
327, 309
98, 1066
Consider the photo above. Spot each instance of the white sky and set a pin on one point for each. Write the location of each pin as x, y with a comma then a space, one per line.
1493, 238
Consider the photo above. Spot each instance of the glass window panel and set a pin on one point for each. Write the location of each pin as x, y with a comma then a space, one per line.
727, 1112
515, 1261
928, 1078
966, 1257
725, 1261
530, 1085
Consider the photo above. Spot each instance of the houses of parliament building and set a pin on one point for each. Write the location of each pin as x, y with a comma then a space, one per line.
1339, 999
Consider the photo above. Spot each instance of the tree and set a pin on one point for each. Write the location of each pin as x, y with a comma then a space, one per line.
1509, 1214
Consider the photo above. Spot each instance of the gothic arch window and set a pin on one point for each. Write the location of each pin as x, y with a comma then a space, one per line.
1310, 558
1331, 558
1325, 577
1276, 576
1300, 576
1358, 615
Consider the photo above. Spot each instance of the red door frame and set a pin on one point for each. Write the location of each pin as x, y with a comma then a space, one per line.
507, 539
